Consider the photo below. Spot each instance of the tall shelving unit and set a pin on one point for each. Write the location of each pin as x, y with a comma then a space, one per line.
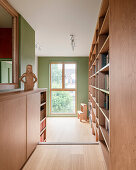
99, 91
43, 117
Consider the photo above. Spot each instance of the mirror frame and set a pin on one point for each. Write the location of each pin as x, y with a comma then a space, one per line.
15, 47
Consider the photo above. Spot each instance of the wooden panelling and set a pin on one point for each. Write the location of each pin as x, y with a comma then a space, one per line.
33, 121
19, 127
123, 84
12, 133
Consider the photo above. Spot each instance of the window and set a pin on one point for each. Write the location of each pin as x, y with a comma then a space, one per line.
63, 88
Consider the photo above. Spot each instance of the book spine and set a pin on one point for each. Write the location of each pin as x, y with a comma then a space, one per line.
106, 82
103, 60
107, 102
107, 59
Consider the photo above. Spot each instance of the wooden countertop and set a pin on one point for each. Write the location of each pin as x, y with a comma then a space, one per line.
12, 94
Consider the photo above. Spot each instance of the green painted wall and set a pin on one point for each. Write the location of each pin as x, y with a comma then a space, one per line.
5, 71
26, 45
82, 76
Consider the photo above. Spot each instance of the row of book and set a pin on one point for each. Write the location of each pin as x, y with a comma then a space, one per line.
105, 59
42, 125
43, 137
106, 81
106, 102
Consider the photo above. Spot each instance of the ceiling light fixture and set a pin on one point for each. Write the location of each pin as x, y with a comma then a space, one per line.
72, 41
38, 47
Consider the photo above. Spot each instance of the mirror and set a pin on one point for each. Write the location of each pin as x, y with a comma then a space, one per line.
9, 47
6, 37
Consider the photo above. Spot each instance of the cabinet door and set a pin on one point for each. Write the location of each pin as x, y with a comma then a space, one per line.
13, 133
33, 122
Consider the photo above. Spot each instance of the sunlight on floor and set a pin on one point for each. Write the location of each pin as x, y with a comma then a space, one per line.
68, 129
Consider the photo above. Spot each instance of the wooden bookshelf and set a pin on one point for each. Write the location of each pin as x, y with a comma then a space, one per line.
99, 67
43, 116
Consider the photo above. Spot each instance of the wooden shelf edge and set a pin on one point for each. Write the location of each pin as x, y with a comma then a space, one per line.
94, 87
42, 131
105, 153
104, 91
106, 43
105, 68
42, 103
105, 113
42, 120
105, 135
104, 21
94, 111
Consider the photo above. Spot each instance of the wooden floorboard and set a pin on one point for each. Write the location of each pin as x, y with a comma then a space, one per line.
69, 129
66, 157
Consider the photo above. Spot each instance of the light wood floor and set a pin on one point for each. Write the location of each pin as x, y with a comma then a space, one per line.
68, 130
66, 157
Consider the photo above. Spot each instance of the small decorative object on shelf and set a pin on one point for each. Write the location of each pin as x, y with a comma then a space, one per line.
30, 78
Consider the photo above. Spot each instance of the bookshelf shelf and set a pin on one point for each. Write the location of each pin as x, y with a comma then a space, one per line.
94, 111
43, 104
42, 131
105, 152
105, 68
105, 25
104, 91
105, 135
97, 120
105, 113
94, 99
99, 90
94, 50
105, 46
42, 120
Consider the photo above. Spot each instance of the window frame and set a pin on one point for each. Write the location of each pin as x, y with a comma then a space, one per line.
63, 86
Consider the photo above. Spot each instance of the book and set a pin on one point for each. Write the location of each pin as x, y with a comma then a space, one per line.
106, 82
106, 125
107, 101
107, 58
103, 59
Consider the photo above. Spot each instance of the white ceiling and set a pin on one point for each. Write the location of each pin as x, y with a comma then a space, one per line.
55, 20
5, 18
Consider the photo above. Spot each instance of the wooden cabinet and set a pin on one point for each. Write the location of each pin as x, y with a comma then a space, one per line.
13, 133
123, 84
19, 127
33, 119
